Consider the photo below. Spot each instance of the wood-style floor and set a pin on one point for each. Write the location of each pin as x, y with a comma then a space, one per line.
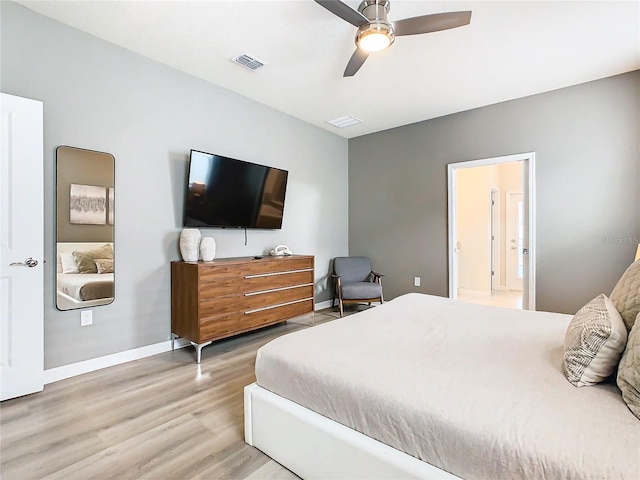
162, 417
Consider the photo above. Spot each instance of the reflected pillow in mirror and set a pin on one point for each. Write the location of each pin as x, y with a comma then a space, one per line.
104, 265
87, 260
68, 263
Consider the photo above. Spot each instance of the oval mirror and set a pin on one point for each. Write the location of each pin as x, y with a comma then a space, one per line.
85, 271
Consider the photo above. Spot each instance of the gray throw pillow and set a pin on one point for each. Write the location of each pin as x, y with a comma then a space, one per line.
86, 260
626, 294
594, 342
629, 370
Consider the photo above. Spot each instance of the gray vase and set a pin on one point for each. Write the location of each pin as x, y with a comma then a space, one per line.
190, 244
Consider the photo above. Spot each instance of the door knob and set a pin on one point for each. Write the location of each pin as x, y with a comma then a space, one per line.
29, 262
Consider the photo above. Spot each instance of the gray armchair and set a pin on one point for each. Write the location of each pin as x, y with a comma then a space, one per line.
355, 282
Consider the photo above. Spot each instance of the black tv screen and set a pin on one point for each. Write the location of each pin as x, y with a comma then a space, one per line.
229, 193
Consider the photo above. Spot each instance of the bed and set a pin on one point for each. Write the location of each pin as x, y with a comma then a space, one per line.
429, 387
76, 290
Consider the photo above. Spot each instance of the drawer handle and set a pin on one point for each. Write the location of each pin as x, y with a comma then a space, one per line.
258, 275
251, 294
276, 306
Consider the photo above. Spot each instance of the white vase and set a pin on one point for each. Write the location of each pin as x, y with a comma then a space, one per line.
190, 244
207, 249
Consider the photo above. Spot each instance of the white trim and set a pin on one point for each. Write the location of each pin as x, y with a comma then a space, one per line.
323, 305
530, 188
303, 440
496, 244
56, 374
508, 226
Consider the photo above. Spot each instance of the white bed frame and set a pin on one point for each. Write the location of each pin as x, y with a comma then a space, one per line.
313, 446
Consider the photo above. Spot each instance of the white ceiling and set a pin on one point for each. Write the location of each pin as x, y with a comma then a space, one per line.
510, 50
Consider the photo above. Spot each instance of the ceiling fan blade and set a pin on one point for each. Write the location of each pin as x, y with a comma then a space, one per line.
344, 11
356, 61
431, 23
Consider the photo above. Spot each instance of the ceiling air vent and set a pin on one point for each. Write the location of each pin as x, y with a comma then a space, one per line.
345, 121
252, 63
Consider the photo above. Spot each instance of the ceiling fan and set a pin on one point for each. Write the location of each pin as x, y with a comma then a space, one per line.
376, 33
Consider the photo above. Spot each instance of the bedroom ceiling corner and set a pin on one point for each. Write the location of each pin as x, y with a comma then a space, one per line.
509, 50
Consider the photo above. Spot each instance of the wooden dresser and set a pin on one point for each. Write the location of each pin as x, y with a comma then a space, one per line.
228, 296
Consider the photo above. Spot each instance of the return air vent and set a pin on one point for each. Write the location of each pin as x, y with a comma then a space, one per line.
252, 63
345, 121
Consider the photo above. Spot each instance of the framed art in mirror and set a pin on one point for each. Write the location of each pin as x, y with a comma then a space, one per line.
85, 218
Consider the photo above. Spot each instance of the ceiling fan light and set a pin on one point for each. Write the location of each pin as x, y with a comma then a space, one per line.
374, 37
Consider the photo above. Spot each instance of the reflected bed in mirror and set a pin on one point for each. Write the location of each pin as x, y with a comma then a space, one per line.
84, 228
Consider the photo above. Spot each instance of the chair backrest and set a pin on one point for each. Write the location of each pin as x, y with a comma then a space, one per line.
352, 269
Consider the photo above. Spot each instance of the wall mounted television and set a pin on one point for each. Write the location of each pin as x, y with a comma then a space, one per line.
224, 192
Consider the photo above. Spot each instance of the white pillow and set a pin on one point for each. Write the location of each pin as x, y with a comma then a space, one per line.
594, 342
68, 262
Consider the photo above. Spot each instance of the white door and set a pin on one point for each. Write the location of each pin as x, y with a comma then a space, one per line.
21, 241
515, 228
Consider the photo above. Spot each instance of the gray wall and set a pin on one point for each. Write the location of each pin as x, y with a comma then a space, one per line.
101, 97
586, 140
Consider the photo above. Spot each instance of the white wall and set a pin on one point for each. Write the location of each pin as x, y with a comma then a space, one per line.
473, 217
101, 97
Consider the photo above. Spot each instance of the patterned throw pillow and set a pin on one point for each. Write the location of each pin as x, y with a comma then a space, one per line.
87, 260
104, 265
594, 342
629, 370
626, 294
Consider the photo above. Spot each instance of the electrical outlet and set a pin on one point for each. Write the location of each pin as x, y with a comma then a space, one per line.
86, 318
416, 281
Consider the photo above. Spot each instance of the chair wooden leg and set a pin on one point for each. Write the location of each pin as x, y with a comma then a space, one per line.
341, 308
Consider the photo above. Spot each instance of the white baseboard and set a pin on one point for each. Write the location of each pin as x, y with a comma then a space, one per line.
322, 305
56, 374
74, 369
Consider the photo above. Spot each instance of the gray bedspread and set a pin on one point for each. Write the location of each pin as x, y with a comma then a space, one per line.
474, 390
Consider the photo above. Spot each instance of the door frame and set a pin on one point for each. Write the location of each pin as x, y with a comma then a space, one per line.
529, 280
495, 238
509, 204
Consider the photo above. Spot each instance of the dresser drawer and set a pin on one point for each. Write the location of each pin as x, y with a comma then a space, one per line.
220, 327
222, 268
280, 280
265, 317
220, 287
269, 299
221, 306
275, 264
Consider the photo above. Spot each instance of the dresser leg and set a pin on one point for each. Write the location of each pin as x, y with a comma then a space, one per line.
199, 347
173, 341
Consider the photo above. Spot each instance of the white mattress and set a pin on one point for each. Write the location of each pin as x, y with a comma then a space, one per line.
477, 391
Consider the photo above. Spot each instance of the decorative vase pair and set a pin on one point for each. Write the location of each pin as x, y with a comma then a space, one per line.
194, 246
